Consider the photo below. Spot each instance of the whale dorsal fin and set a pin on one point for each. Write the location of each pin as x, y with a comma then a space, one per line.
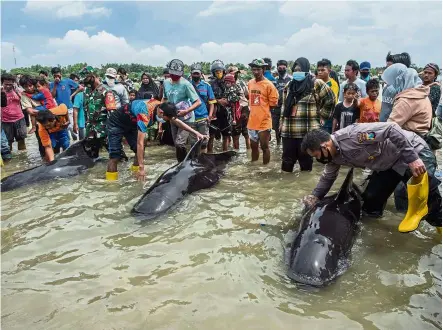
194, 152
346, 187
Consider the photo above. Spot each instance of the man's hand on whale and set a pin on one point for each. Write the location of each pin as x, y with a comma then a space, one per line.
309, 201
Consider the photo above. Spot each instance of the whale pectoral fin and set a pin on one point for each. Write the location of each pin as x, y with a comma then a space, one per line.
203, 181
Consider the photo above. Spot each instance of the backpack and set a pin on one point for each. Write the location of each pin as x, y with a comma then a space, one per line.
433, 138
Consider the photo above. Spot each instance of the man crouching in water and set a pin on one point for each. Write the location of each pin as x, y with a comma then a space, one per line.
393, 154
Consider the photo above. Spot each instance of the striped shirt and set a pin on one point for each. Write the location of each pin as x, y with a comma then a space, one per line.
308, 114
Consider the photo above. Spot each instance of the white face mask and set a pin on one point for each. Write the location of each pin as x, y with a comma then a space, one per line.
110, 81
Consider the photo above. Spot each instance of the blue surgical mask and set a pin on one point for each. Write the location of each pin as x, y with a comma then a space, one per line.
298, 76
160, 120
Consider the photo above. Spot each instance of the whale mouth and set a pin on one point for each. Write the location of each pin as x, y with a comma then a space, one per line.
310, 280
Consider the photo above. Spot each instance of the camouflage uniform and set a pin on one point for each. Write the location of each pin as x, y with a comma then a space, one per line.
98, 103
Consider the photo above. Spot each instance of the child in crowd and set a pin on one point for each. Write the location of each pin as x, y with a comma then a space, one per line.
132, 95
370, 106
233, 94
45, 97
347, 112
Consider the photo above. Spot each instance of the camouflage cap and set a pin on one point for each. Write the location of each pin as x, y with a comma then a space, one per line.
86, 70
233, 69
258, 62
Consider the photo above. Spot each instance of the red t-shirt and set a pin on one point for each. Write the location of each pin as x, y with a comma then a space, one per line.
13, 111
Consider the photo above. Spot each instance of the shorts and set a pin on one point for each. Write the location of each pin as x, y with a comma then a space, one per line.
201, 127
253, 134
5, 151
222, 123
59, 140
120, 124
81, 133
15, 131
179, 136
275, 114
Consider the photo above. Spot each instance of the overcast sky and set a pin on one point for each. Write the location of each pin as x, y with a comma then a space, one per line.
68, 32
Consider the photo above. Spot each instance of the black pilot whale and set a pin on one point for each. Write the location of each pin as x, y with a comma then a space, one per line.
326, 235
194, 173
73, 161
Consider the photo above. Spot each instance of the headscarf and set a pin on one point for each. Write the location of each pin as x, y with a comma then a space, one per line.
299, 89
149, 88
401, 77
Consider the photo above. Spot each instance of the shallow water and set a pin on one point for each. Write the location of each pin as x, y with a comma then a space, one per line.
73, 258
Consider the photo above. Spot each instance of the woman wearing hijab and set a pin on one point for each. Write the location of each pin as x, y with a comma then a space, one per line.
148, 88
307, 103
412, 109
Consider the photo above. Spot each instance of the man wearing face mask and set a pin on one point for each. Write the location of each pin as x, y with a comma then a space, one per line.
177, 90
207, 98
122, 95
364, 71
222, 125
282, 80
394, 154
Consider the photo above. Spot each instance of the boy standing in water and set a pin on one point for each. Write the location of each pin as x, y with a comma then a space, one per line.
347, 112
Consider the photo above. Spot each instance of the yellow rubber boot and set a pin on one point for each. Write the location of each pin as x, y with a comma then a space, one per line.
111, 176
1, 162
134, 168
418, 191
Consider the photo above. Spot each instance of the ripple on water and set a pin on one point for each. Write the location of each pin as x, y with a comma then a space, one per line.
71, 253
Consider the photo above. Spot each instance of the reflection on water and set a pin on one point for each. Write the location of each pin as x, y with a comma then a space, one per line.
72, 257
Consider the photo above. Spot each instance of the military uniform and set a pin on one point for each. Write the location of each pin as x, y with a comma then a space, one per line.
386, 149
98, 103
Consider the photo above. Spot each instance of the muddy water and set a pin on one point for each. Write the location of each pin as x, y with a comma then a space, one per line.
72, 258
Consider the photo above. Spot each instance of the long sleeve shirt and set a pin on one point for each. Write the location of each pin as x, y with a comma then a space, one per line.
377, 146
309, 111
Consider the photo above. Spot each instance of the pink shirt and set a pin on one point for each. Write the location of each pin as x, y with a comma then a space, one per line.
13, 111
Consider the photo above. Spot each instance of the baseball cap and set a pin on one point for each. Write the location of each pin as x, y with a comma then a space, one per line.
365, 65
111, 72
176, 67
196, 68
233, 69
258, 62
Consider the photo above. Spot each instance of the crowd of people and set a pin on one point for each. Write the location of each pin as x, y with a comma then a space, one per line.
313, 115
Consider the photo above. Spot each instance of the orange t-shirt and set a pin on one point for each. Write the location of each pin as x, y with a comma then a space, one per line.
62, 119
369, 110
262, 97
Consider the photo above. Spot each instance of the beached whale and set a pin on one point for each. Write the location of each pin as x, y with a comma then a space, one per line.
195, 172
73, 161
320, 251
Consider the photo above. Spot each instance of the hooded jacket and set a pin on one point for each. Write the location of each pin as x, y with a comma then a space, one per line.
412, 110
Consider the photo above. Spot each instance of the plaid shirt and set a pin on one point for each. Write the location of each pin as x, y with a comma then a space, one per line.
307, 116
